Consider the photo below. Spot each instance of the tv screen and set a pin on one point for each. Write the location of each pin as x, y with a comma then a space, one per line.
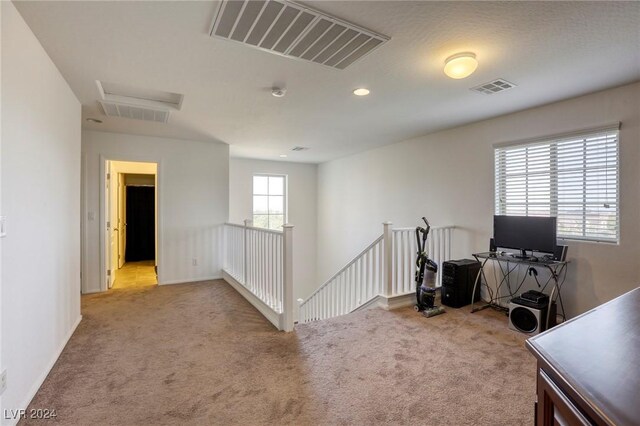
525, 233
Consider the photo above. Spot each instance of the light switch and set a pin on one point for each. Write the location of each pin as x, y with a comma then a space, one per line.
3, 226
92, 215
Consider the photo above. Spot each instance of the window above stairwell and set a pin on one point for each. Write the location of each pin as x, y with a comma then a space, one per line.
269, 201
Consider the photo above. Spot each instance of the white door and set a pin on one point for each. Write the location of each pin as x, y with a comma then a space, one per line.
122, 224
113, 219
109, 227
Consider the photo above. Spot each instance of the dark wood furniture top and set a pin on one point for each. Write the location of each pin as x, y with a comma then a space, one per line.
594, 359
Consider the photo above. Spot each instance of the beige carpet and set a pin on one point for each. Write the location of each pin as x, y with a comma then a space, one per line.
200, 354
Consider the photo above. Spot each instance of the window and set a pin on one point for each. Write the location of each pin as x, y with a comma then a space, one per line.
269, 201
574, 178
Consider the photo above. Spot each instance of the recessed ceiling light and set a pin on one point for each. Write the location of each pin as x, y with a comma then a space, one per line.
361, 92
278, 92
460, 65
283, 155
94, 120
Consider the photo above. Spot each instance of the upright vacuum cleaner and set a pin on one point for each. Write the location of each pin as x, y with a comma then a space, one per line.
426, 273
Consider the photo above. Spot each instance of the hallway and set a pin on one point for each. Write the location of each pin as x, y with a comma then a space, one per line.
136, 275
199, 353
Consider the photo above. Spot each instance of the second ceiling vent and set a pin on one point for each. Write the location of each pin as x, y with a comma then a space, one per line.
290, 29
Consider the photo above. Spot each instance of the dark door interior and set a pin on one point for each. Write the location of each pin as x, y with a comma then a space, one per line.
140, 223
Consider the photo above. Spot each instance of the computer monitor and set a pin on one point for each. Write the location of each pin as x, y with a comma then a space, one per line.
525, 233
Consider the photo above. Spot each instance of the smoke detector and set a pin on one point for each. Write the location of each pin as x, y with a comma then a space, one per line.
278, 92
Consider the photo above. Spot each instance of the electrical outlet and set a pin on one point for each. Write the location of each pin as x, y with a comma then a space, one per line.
194, 261
3, 381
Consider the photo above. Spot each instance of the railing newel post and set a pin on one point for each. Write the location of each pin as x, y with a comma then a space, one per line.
388, 259
287, 277
247, 223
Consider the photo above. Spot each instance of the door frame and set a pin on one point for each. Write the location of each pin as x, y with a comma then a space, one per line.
103, 205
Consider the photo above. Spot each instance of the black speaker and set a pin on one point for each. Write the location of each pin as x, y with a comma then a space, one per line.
458, 278
530, 317
492, 245
560, 253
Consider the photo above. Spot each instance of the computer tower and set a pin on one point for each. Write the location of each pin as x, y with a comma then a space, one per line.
458, 278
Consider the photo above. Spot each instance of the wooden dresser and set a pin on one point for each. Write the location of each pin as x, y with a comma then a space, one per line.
589, 367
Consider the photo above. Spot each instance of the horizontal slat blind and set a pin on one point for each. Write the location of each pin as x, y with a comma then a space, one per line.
573, 178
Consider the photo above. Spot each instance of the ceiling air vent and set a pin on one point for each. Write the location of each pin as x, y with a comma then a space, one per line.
136, 103
499, 85
112, 109
299, 148
290, 29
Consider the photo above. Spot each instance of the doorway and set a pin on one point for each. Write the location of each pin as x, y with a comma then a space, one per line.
131, 225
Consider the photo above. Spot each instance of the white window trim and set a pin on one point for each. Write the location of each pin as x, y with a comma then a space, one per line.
285, 199
556, 137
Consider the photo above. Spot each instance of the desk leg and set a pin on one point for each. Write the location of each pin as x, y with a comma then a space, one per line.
475, 284
553, 291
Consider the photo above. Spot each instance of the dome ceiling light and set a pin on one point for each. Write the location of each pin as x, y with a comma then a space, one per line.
460, 65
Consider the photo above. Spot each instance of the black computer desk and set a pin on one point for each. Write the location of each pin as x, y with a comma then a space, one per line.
555, 267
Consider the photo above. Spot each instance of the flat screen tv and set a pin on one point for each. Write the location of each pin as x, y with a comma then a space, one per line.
525, 233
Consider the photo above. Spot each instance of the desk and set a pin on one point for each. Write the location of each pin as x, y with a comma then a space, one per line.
589, 368
555, 268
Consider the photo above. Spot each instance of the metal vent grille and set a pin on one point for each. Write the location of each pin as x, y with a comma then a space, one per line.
499, 85
299, 148
289, 29
113, 109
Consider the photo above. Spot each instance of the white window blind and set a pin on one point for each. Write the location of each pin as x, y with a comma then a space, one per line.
573, 178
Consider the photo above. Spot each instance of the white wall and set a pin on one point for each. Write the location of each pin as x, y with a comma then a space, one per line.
193, 185
302, 195
41, 199
448, 177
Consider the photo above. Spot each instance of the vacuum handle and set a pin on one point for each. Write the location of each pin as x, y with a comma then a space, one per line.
427, 222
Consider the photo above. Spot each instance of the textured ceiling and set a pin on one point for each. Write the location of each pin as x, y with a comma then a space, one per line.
551, 50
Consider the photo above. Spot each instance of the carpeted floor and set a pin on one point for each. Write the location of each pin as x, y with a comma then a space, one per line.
200, 354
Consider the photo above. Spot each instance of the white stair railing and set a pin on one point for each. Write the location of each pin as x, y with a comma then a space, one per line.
355, 284
258, 263
385, 268
404, 255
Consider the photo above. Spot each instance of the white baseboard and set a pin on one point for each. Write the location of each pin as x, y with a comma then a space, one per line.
397, 302
191, 280
270, 314
36, 386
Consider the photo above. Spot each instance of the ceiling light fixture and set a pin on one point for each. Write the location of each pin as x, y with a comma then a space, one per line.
283, 155
361, 92
94, 120
460, 65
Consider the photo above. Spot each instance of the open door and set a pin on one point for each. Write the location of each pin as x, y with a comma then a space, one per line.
111, 246
122, 223
118, 229
141, 244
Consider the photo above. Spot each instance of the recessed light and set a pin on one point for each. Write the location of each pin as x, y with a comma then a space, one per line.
361, 92
283, 155
460, 65
278, 92
94, 120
